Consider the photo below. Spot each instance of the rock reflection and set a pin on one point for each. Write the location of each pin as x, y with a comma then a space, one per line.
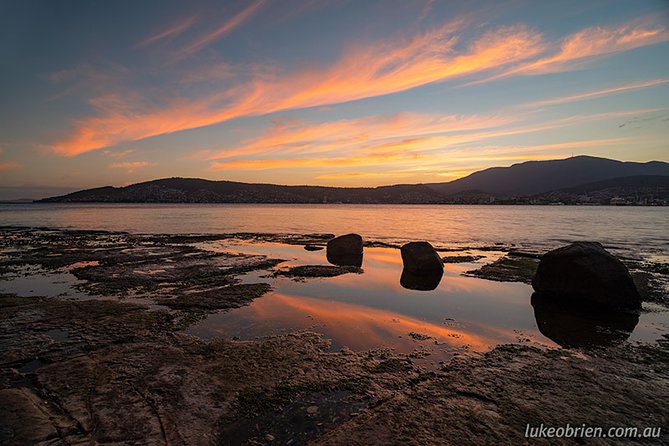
344, 259
572, 328
420, 282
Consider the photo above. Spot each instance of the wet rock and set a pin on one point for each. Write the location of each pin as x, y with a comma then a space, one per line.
23, 421
461, 259
585, 275
419, 336
232, 296
423, 267
508, 269
318, 271
421, 258
345, 250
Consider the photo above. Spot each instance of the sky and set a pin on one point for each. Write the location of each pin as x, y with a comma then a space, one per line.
342, 93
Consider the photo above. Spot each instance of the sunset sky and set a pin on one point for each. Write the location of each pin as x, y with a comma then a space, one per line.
323, 92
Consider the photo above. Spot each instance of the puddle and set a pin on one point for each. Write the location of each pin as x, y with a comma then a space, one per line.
38, 282
84, 264
373, 309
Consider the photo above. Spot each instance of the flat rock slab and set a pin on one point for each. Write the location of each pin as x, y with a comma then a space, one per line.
508, 269
305, 271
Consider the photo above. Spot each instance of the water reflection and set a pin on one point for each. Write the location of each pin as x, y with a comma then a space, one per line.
341, 259
571, 328
420, 282
373, 309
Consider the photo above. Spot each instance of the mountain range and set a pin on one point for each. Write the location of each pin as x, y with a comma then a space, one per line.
527, 182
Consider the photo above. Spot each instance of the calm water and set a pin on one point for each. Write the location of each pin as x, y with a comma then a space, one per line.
643, 229
371, 310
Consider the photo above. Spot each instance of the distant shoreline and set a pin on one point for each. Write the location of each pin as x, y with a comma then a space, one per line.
42, 202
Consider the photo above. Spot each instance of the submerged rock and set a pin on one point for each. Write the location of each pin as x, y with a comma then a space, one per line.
421, 258
461, 259
318, 271
508, 268
310, 247
585, 275
345, 250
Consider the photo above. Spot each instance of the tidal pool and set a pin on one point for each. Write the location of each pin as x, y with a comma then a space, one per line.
372, 309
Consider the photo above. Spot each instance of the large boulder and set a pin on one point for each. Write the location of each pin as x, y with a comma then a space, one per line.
584, 274
345, 250
421, 258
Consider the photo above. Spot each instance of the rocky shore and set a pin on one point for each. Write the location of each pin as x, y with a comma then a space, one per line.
116, 367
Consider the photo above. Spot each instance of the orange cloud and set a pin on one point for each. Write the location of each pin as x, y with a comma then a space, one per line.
308, 137
438, 151
583, 46
172, 31
371, 160
131, 166
598, 93
222, 30
9, 165
363, 72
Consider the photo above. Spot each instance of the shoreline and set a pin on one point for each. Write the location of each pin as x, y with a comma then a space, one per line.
97, 203
117, 371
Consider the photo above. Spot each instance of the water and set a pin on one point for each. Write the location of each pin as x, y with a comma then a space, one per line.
640, 229
370, 310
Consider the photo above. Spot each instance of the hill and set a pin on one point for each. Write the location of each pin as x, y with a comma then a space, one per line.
536, 177
194, 190
499, 184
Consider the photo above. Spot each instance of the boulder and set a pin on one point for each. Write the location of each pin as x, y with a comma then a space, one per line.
421, 258
345, 250
585, 275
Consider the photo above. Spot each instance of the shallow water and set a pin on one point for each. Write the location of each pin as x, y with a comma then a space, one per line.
372, 309
640, 229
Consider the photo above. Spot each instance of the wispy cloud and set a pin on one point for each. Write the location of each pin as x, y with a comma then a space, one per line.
410, 149
586, 45
597, 93
364, 71
286, 137
225, 28
131, 166
168, 33
119, 155
9, 165
386, 159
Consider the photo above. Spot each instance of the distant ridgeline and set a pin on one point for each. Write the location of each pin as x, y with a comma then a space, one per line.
576, 180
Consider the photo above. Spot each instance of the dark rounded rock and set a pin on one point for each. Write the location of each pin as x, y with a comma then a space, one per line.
345, 250
585, 275
421, 258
